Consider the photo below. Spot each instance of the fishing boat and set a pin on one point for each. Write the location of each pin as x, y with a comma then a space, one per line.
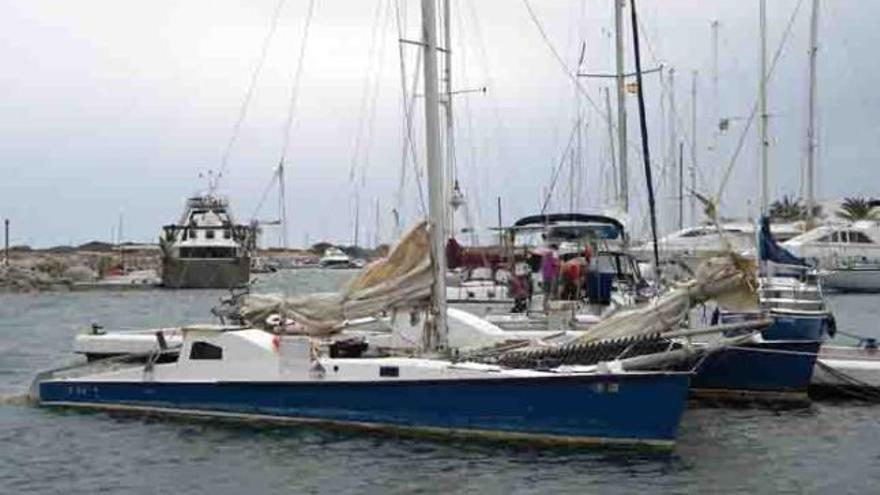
252, 373
206, 249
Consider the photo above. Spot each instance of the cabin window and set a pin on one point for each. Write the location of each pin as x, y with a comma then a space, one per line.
389, 371
694, 233
227, 234
205, 351
207, 252
832, 237
859, 237
209, 234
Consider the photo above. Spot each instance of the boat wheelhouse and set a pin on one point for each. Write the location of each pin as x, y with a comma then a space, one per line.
206, 249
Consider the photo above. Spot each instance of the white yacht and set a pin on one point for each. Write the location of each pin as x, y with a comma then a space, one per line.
336, 258
206, 249
691, 245
847, 255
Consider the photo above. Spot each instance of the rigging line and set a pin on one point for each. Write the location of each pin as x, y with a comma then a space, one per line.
471, 217
374, 96
365, 95
245, 104
729, 169
294, 93
499, 127
572, 77
268, 188
404, 162
631, 145
558, 169
408, 104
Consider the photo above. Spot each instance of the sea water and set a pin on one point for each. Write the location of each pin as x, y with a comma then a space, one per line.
825, 448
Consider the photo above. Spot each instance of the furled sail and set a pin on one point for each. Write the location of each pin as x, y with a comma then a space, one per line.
727, 279
403, 278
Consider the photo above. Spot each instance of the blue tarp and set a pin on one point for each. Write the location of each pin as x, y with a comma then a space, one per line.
769, 250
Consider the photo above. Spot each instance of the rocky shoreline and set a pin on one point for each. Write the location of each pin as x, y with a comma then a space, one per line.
40, 271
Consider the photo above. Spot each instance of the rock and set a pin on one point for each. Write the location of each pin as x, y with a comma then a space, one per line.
80, 273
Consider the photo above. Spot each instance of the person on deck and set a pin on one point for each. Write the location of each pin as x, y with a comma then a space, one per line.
550, 273
571, 279
585, 271
519, 289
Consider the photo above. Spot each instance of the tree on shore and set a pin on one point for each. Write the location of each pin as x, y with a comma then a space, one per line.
787, 209
853, 209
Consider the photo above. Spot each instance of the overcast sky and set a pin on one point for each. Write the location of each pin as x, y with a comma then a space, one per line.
113, 107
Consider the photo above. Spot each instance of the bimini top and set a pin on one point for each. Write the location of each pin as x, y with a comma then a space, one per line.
573, 225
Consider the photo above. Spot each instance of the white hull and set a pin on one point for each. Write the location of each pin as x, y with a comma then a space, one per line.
852, 280
847, 371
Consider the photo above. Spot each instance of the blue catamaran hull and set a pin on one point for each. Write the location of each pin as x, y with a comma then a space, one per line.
637, 408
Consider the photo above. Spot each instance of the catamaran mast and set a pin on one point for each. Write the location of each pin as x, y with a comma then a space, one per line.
436, 338
811, 122
623, 192
762, 108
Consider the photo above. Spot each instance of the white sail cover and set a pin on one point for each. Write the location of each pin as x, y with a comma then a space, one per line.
402, 278
727, 279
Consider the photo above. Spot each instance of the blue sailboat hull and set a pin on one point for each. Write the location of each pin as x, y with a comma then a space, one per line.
631, 408
781, 368
797, 327
786, 326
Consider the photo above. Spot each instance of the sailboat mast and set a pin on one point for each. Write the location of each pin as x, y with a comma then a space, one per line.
762, 108
621, 106
376, 227
357, 218
693, 170
611, 142
450, 143
436, 338
811, 122
643, 127
282, 204
716, 102
673, 138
